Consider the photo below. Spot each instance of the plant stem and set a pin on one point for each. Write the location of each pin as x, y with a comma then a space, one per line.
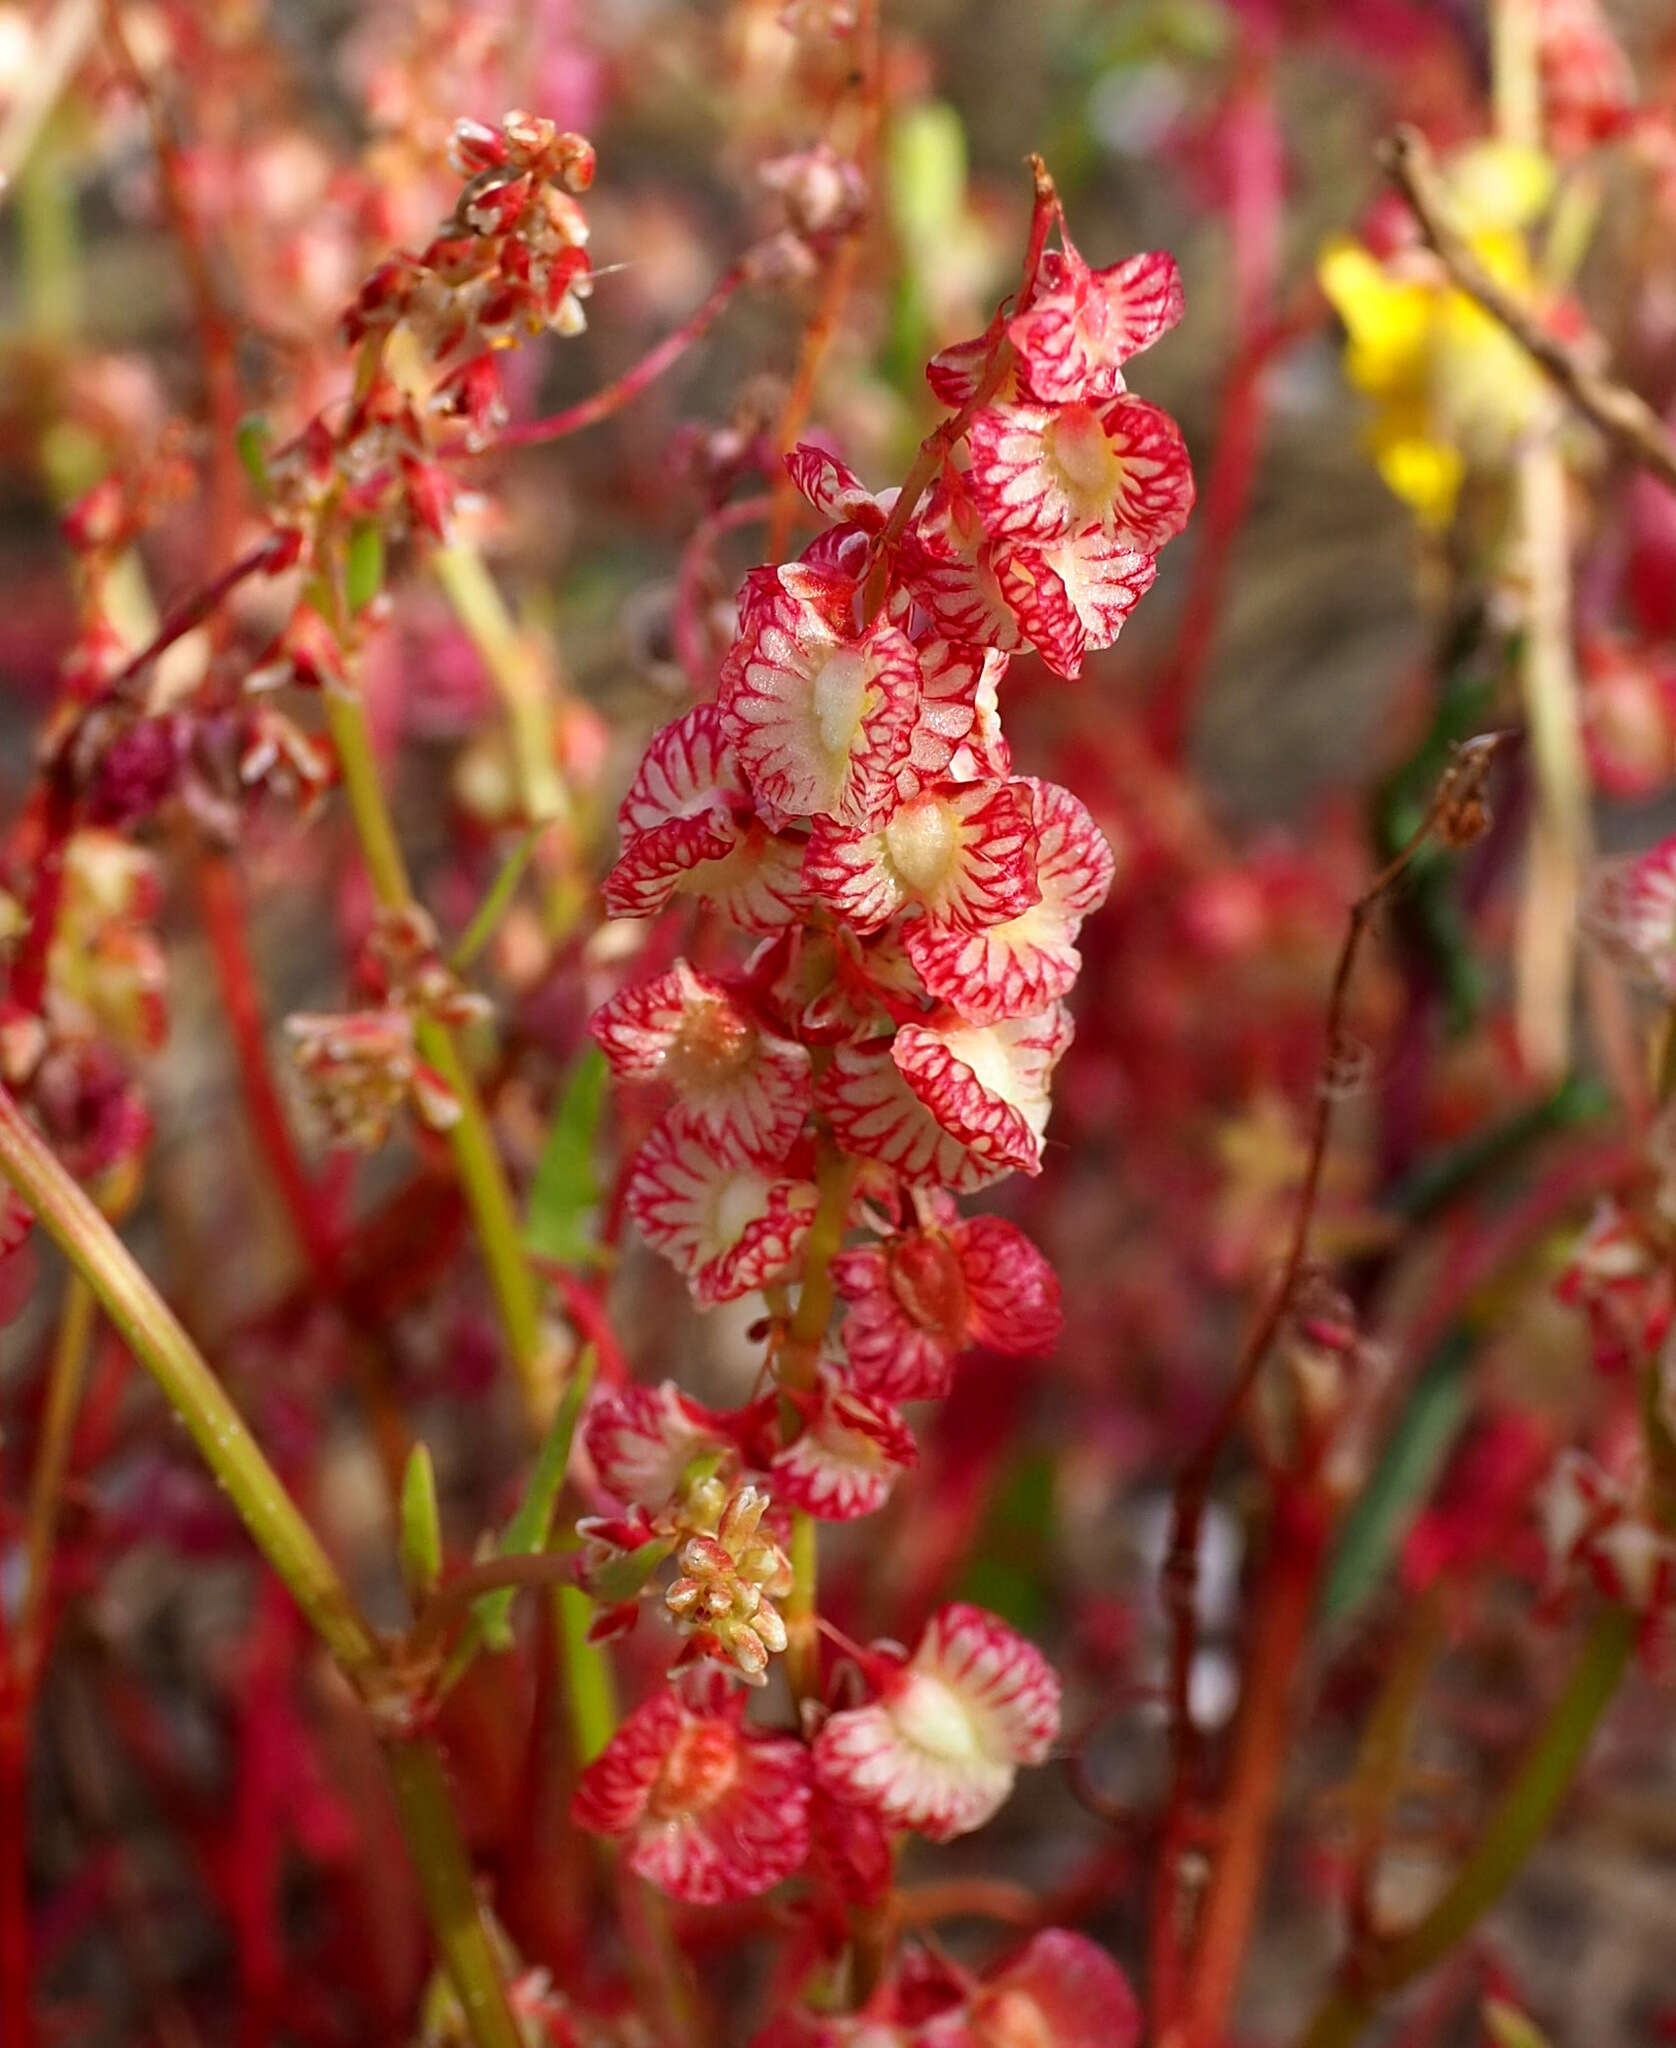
516, 670
799, 1356
151, 1331
1297, 1546
591, 1696
1518, 1823
65, 1377
444, 1871
488, 1195
615, 395
149, 1327
495, 904
221, 910
477, 1160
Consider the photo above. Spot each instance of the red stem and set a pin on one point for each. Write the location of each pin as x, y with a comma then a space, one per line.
1297, 1546
1222, 515
222, 911
690, 647
1180, 1577
16, 2020
1255, 157
585, 1309
614, 396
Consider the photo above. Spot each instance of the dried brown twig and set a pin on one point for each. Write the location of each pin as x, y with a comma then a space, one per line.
1622, 415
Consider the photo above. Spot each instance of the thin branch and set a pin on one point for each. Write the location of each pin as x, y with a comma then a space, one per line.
612, 397
1625, 418
1454, 808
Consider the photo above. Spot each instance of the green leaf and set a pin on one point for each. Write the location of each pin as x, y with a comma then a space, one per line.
532, 1523
1413, 1458
1009, 1566
1507, 2027
253, 439
566, 1192
363, 565
421, 1524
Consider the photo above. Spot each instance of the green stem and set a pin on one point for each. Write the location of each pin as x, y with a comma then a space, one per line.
444, 1871
144, 1320
799, 1357
592, 1698
495, 904
1515, 1828
488, 1196
516, 671
160, 1344
476, 1158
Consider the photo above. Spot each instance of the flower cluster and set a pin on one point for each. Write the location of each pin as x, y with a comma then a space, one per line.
361, 1066
848, 800
1058, 1988
1602, 1526
508, 263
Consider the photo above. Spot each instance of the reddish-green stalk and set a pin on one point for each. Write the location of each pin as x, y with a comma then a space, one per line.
221, 910
1171, 1935
943, 439
1286, 1601
16, 1947
293, 1550
1375, 1970
838, 274
623, 390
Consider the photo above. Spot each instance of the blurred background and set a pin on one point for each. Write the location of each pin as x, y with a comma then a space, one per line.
209, 1860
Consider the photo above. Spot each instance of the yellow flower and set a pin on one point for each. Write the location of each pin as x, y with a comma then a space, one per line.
1452, 390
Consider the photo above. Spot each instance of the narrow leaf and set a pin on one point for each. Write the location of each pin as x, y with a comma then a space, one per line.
532, 1523
421, 1524
363, 566
566, 1193
1413, 1458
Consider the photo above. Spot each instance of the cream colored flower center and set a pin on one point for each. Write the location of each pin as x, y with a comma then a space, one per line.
983, 1052
932, 1717
921, 841
1083, 460
841, 698
739, 1202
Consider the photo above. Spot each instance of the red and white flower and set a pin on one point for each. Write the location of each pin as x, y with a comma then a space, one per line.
743, 1089
1074, 596
1061, 1989
918, 1300
822, 718
846, 1458
644, 1440
1016, 968
954, 373
962, 852
875, 1115
939, 1747
1041, 473
1593, 1524
834, 489
957, 734
1634, 911
687, 829
987, 1084
708, 1810
1083, 324
730, 1227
